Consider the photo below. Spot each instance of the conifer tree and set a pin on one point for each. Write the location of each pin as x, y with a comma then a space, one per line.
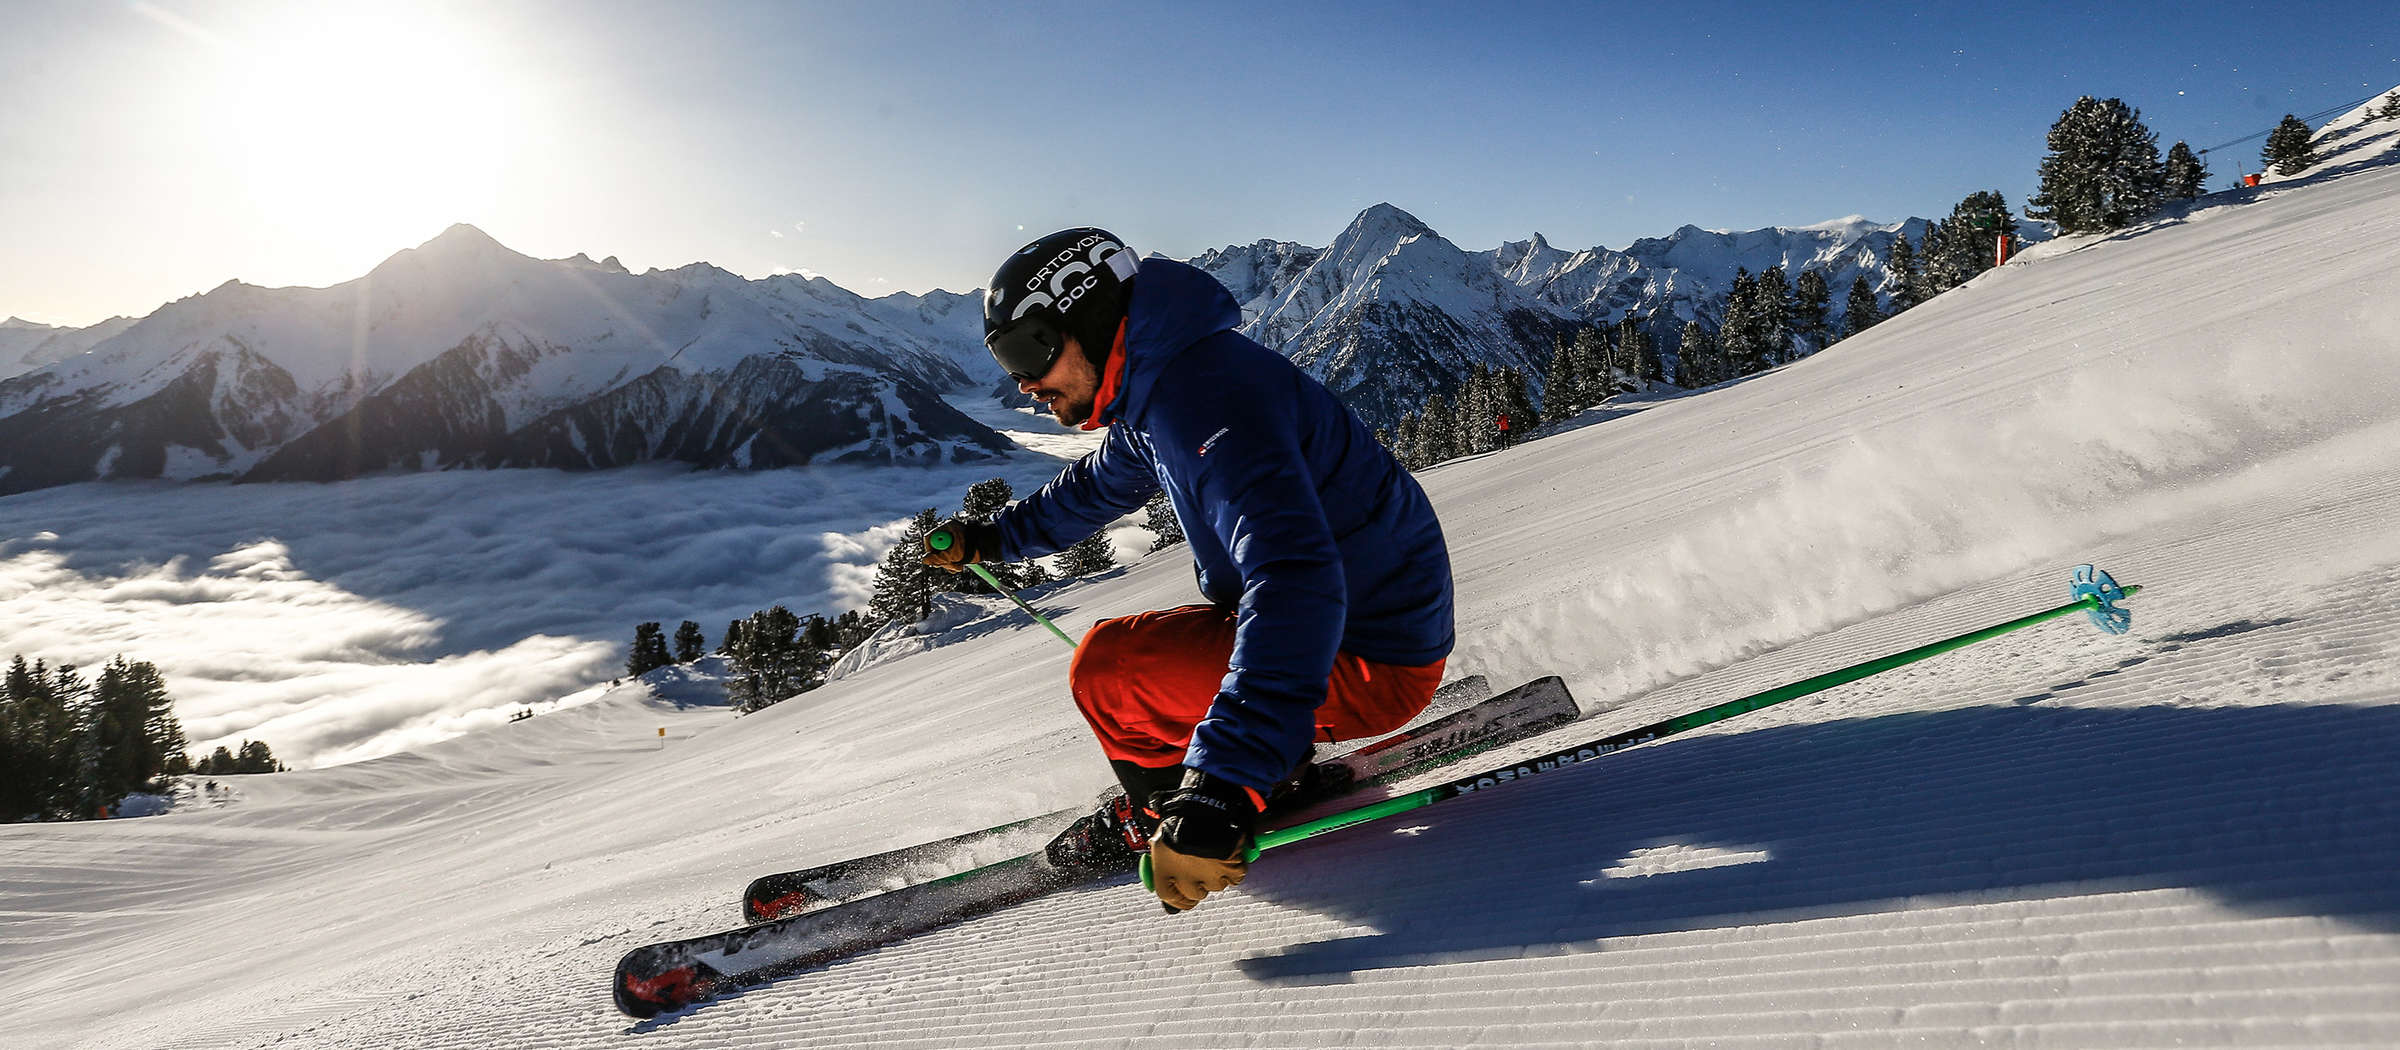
2391, 107
1515, 397
220, 761
690, 644
2289, 147
1743, 336
985, 499
731, 637
256, 757
904, 584
1861, 311
37, 777
1698, 362
2186, 176
1969, 241
1440, 430
126, 730
1088, 555
649, 650
1408, 442
1906, 278
771, 664
1810, 299
2102, 172
1159, 517
1595, 368
1772, 299
1560, 384
1478, 410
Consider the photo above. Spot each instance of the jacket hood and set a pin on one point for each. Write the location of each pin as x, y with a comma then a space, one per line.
1173, 306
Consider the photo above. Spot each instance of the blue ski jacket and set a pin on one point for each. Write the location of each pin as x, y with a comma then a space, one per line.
1295, 514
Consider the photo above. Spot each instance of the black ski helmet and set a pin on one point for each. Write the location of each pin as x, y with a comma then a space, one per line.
1073, 282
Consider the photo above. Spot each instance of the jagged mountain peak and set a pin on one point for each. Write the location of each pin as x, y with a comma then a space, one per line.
21, 323
1384, 223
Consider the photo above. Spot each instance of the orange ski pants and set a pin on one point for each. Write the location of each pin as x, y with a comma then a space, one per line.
1145, 681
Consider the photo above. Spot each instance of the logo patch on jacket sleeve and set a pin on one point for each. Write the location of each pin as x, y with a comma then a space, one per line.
1212, 439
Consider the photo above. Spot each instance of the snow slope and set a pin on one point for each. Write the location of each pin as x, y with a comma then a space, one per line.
2182, 836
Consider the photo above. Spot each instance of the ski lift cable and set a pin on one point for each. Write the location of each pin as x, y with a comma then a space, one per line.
2310, 118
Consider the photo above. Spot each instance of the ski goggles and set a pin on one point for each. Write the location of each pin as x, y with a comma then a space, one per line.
1026, 347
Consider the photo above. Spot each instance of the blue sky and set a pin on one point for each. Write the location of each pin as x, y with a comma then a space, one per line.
153, 150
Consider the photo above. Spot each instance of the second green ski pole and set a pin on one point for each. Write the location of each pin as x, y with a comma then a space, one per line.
941, 540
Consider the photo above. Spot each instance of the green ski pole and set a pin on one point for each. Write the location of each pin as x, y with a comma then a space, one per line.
941, 540
2095, 592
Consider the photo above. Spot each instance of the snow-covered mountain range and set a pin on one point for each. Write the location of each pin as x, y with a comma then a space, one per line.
1391, 312
461, 353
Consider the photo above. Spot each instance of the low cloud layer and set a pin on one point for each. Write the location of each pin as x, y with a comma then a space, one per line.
341, 622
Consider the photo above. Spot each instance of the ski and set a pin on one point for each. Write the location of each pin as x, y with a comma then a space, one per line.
1465, 710
659, 978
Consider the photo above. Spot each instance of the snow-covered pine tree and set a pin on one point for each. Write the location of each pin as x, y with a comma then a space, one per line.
1743, 336
2102, 172
649, 651
1440, 430
690, 644
1811, 297
1515, 395
1970, 238
771, 663
1772, 296
1594, 367
1408, 441
903, 583
1698, 362
1159, 517
987, 498
2391, 107
1475, 412
2186, 176
1088, 555
1906, 278
1861, 309
1561, 383
2289, 147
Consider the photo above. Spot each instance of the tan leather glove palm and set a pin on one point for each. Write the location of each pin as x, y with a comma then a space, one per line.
1182, 881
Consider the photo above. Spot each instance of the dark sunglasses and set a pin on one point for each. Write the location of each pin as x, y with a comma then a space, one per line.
1026, 347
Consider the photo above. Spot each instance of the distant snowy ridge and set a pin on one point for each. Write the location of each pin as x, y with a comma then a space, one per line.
462, 353
1391, 312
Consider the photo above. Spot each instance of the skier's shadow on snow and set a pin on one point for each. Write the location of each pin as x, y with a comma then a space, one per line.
2279, 810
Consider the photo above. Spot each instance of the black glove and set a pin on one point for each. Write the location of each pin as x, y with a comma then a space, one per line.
970, 541
1205, 827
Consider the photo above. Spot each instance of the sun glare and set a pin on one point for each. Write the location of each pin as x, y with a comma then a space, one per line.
365, 129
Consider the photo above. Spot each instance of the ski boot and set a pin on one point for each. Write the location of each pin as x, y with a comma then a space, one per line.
1111, 838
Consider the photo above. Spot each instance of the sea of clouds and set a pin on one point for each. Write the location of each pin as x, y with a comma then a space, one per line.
339, 622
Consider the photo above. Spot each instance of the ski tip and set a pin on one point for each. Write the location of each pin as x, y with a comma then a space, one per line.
641, 992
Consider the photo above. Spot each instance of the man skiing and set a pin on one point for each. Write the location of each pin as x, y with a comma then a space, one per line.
1328, 582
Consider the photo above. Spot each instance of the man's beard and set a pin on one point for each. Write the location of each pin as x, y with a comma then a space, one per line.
1067, 410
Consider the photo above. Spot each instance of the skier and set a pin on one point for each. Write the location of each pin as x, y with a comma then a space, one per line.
1327, 579
1502, 424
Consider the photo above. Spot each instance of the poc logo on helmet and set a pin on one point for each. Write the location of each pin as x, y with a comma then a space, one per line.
1048, 286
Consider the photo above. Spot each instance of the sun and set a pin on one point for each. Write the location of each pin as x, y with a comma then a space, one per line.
368, 127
